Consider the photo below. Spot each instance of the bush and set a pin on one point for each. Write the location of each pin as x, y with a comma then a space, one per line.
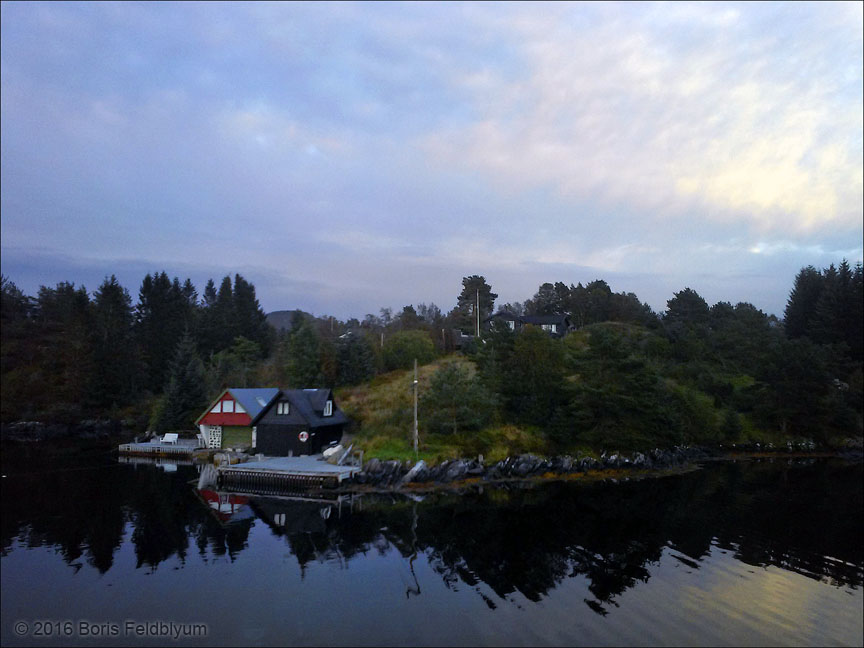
404, 347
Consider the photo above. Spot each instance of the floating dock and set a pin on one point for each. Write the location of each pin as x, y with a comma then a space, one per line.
284, 474
183, 448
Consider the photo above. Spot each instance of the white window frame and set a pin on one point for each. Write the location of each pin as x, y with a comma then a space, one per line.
283, 408
228, 407
217, 408
512, 324
328, 408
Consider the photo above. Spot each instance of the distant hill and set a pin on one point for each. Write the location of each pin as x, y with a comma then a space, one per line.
281, 320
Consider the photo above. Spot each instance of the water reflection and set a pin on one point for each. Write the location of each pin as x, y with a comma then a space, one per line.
497, 542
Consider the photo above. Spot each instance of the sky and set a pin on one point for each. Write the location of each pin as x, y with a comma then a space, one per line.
349, 157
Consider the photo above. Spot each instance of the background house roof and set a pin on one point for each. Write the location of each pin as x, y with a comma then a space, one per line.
543, 319
559, 318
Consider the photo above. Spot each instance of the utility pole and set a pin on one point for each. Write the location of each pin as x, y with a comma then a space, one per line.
415, 409
478, 312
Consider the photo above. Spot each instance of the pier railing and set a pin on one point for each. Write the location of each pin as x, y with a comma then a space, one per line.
156, 449
271, 482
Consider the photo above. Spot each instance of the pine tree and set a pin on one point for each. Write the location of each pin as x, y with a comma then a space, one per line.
546, 301
464, 315
304, 361
456, 401
534, 376
250, 320
223, 316
493, 357
165, 309
855, 328
688, 308
597, 295
801, 306
184, 395
356, 360
207, 328
115, 358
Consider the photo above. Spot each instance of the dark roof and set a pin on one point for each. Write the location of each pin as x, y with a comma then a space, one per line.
530, 319
317, 397
310, 404
507, 315
543, 319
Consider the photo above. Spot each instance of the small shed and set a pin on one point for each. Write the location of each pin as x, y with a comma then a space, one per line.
227, 421
299, 422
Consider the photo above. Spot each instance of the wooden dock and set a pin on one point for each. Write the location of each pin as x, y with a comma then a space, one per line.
283, 475
183, 448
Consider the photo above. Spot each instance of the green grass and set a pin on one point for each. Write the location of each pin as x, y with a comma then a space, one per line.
384, 410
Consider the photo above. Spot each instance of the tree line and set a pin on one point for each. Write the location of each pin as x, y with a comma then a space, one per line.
692, 372
67, 355
632, 379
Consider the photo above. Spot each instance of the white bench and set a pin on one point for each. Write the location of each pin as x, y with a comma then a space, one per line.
171, 437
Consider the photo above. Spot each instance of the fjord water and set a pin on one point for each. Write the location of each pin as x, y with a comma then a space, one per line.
743, 553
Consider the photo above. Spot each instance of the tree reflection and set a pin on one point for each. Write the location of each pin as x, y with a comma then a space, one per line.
525, 541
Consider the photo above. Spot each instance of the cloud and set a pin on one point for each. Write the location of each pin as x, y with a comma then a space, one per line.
624, 109
358, 156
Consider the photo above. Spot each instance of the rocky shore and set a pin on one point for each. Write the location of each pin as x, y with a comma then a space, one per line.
397, 474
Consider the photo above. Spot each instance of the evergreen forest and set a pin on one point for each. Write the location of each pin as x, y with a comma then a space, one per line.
624, 376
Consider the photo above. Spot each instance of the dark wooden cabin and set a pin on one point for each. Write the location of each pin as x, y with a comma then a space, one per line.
555, 325
299, 422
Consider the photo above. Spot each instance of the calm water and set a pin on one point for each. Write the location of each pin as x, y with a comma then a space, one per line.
736, 553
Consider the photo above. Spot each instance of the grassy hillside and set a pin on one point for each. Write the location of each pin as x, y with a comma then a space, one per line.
382, 412
618, 387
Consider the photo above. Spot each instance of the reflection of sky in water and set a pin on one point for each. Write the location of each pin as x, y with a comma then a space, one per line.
593, 573
364, 601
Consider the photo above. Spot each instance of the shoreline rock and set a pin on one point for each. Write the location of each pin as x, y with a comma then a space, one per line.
395, 475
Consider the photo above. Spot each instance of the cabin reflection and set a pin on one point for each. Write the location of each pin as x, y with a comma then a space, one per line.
227, 508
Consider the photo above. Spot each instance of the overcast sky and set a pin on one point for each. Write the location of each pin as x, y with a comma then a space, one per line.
345, 157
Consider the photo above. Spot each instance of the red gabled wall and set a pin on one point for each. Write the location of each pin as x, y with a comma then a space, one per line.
226, 418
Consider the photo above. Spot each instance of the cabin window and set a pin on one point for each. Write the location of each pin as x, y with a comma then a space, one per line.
328, 408
554, 328
228, 406
512, 324
282, 408
239, 408
217, 408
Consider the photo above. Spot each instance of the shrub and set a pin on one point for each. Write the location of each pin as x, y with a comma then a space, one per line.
404, 347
